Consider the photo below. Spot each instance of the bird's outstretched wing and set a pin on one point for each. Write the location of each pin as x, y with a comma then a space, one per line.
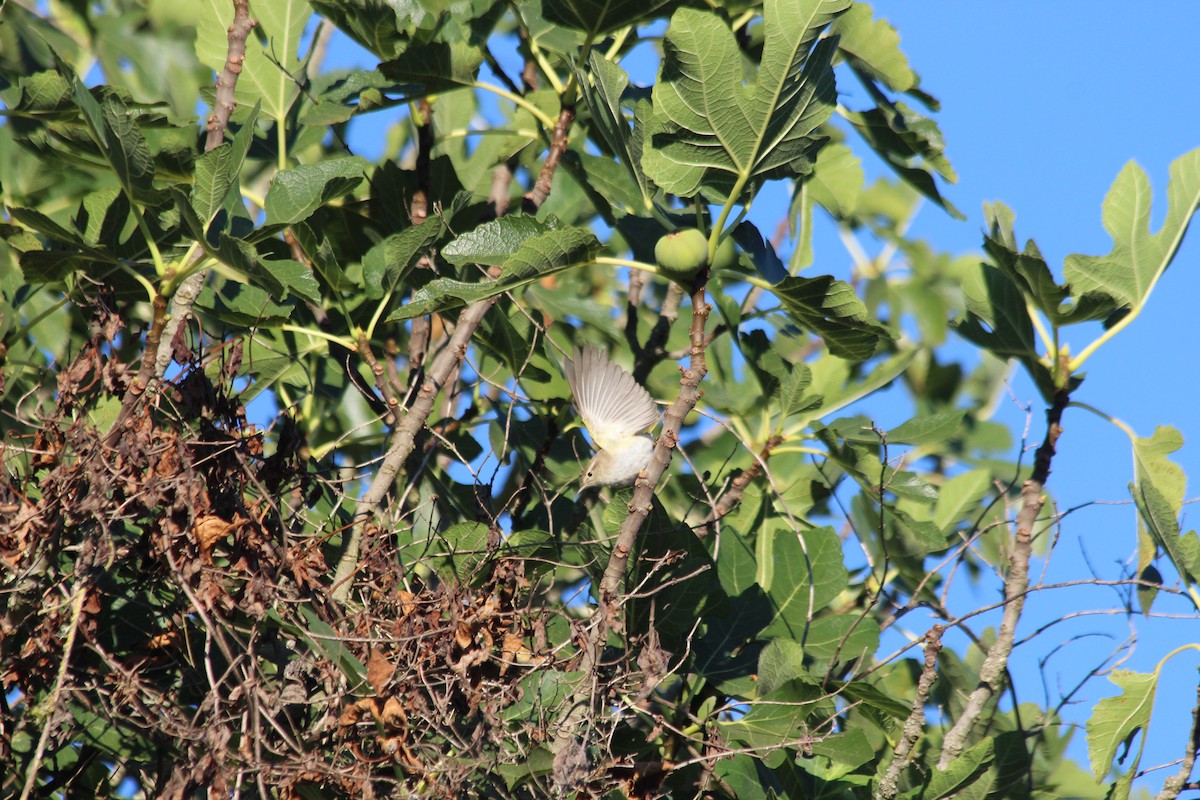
612, 404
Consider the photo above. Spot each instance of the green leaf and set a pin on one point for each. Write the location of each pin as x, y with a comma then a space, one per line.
908, 141
742, 774
542, 691
386, 264
272, 71
929, 429
466, 544
793, 391
297, 192
435, 66
1028, 271
714, 132
831, 309
837, 180
125, 147
1162, 523
120, 140
603, 86
846, 637
962, 771
47, 94
761, 252
837, 388
779, 662
217, 172
778, 717
373, 24
850, 750
1138, 259
960, 496
598, 17
1116, 719
537, 256
800, 572
1151, 465
324, 641
493, 243
998, 320
874, 46
1158, 491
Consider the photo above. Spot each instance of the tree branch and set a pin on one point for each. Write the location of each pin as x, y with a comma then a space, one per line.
914, 726
223, 105
404, 437
570, 749
1175, 784
558, 145
995, 664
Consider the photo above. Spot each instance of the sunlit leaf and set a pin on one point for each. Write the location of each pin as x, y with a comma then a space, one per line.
714, 133
1117, 719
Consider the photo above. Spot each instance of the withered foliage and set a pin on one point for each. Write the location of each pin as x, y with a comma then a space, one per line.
168, 616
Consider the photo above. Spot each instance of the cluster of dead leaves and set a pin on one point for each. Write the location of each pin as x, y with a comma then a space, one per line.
443, 673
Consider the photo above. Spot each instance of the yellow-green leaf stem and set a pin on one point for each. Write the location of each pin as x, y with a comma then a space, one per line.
516, 99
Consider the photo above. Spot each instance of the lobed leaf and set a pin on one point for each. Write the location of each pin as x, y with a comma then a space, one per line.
1139, 258
1116, 720
715, 133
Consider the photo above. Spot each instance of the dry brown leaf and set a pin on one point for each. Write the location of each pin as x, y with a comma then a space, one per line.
464, 635
379, 670
393, 714
207, 531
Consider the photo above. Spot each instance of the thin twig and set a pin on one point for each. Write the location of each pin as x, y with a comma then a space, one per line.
731, 498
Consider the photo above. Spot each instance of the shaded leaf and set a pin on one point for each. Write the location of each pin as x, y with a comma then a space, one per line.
597, 17
831, 309
297, 192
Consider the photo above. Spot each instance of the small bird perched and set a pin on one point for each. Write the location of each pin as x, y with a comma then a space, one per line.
617, 411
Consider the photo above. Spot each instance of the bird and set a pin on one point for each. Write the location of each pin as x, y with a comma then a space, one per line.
618, 413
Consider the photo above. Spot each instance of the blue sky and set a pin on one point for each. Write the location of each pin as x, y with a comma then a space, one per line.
1042, 105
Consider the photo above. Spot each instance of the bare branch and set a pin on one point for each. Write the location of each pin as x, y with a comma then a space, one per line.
994, 666
889, 785
186, 293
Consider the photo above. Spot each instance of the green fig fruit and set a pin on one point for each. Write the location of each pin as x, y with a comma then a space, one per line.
726, 255
681, 254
